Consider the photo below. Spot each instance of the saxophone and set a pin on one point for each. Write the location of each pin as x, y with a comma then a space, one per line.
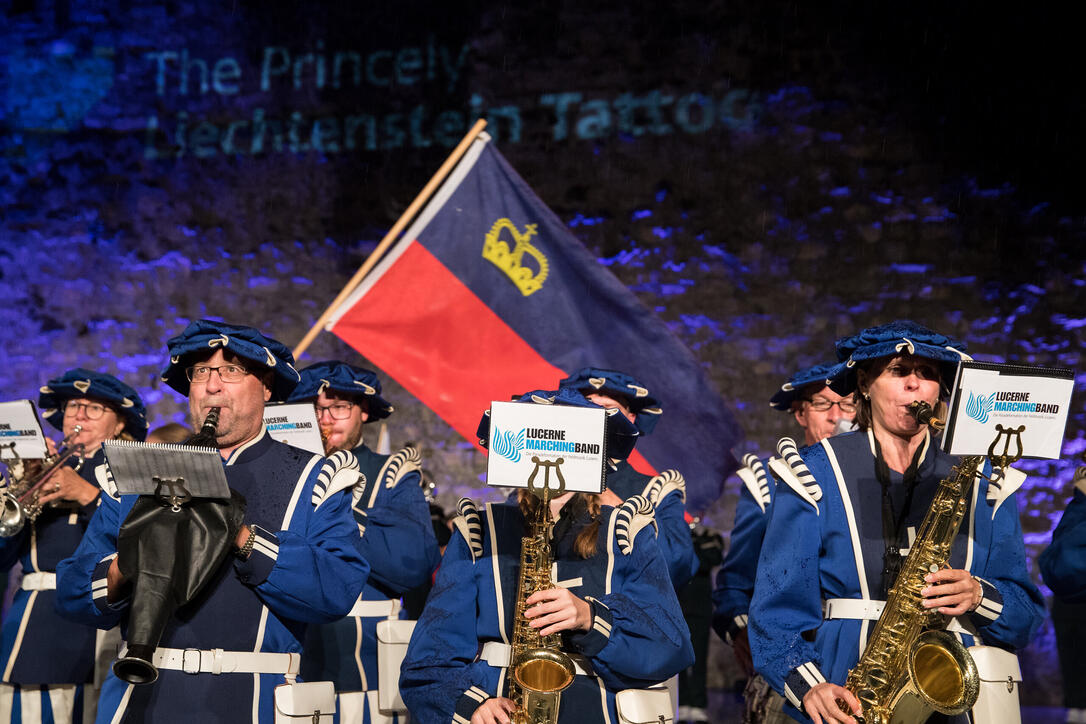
910, 667
540, 671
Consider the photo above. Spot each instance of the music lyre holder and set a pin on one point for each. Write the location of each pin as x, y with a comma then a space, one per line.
543, 492
175, 495
1005, 458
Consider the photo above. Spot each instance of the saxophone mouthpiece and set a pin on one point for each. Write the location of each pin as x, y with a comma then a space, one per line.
925, 415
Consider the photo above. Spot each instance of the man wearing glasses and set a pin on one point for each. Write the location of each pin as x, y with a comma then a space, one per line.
89, 407
296, 555
398, 538
821, 413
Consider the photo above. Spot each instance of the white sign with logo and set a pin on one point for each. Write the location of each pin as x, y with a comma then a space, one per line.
541, 440
19, 425
1030, 404
294, 423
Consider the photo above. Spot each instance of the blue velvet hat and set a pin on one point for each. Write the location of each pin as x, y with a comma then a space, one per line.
888, 340
96, 386
791, 390
204, 335
621, 433
356, 382
610, 382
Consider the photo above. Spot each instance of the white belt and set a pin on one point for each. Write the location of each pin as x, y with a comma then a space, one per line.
498, 654
39, 582
870, 610
217, 661
376, 609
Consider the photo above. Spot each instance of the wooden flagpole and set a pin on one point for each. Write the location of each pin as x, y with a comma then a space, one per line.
390, 237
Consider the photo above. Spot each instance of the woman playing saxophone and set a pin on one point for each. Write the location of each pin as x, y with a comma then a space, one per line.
848, 510
612, 606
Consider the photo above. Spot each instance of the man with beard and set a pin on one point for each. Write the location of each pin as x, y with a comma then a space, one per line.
398, 539
296, 554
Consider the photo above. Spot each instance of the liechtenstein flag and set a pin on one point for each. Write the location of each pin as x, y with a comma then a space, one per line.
487, 295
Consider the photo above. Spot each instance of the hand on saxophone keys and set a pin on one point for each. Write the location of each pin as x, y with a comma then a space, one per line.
496, 710
953, 591
826, 702
555, 610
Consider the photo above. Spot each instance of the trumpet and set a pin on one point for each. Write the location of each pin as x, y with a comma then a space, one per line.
19, 502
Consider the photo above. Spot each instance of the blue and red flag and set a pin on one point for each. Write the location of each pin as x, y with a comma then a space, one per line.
487, 294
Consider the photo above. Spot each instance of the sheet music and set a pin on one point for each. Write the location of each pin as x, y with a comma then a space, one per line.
135, 464
19, 424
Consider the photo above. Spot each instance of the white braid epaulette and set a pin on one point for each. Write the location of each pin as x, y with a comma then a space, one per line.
787, 449
470, 526
399, 465
338, 472
630, 517
761, 480
662, 485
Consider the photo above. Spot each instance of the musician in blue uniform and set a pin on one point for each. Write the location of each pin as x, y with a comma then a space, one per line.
818, 411
1063, 563
38, 685
844, 517
296, 556
389, 505
613, 603
1063, 568
666, 491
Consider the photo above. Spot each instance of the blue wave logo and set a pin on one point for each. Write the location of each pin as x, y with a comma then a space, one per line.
978, 406
507, 444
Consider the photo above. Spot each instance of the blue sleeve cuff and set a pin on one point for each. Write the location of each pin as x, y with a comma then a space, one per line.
466, 705
592, 641
100, 589
799, 681
258, 566
990, 607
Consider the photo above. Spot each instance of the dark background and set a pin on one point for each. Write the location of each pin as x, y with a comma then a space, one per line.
916, 160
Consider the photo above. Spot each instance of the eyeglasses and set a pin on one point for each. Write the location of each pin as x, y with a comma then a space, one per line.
227, 373
92, 410
338, 411
846, 406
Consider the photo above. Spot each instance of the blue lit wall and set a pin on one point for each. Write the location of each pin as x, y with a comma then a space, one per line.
765, 178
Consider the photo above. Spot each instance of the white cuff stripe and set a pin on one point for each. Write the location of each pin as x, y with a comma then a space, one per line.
457, 719
590, 598
478, 694
602, 623
271, 550
604, 631
792, 697
110, 557
810, 674
741, 620
989, 609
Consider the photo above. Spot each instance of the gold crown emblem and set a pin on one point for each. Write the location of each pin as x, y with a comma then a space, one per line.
496, 250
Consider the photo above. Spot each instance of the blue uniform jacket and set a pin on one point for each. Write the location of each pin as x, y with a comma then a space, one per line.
57, 532
402, 552
1063, 563
309, 570
735, 579
819, 548
667, 493
639, 636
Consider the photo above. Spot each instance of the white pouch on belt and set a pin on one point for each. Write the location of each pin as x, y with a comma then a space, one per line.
392, 638
645, 706
302, 703
1000, 679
